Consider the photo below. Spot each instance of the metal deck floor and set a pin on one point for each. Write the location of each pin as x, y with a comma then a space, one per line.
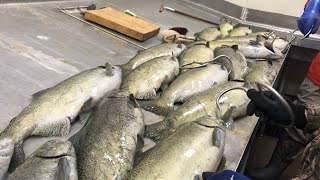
40, 46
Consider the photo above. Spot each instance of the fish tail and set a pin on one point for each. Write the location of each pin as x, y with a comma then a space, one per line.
17, 157
6, 152
155, 131
125, 69
157, 106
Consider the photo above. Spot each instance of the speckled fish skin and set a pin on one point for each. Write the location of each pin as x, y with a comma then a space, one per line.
109, 142
199, 42
240, 31
6, 152
249, 50
55, 159
259, 71
225, 29
144, 81
187, 85
258, 51
216, 44
51, 112
197, 53
192, 149
237, 65
209, 34
201, 105
244, 39
156, 51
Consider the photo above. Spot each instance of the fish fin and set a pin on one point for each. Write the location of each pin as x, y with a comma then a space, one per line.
17, 157
197, 34
228, 114
217, 137
227, 118
223, 67
174, 58
154, 131
164, 87
39, 93
133, 101
120, 93
235, 47
140, 143
125, 70
87, 105
157, 107
214, 83
63, 169
75, 139
151, 94
6, 152
55, 128
208, 44
84, 116
269, 61
109, 69
67, 169
222, 164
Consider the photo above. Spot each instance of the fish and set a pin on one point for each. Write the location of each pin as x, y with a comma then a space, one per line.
6, 152
108, 142
235, 61
258, 51
144, 81
185, 86
55, 159
277, 43
193, 43
154, 52
216, 44
197, 53
192, 149
244, 39
259, 71
203, 104
225, 29
254, 50
208, 34
240, 31
52, 111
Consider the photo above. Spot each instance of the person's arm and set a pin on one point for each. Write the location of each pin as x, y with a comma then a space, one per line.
310, 19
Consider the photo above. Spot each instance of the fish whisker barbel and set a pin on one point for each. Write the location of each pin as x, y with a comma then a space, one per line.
202, 64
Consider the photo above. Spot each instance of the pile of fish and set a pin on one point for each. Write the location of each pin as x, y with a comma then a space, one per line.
200, 88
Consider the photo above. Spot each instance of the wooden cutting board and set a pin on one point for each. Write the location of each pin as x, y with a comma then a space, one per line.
123, 23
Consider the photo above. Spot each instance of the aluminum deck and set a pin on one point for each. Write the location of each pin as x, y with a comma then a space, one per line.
40, 46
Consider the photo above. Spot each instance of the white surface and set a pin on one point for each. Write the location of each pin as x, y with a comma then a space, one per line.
286, 7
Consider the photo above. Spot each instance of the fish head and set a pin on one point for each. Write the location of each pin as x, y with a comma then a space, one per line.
117, 70
55, 149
